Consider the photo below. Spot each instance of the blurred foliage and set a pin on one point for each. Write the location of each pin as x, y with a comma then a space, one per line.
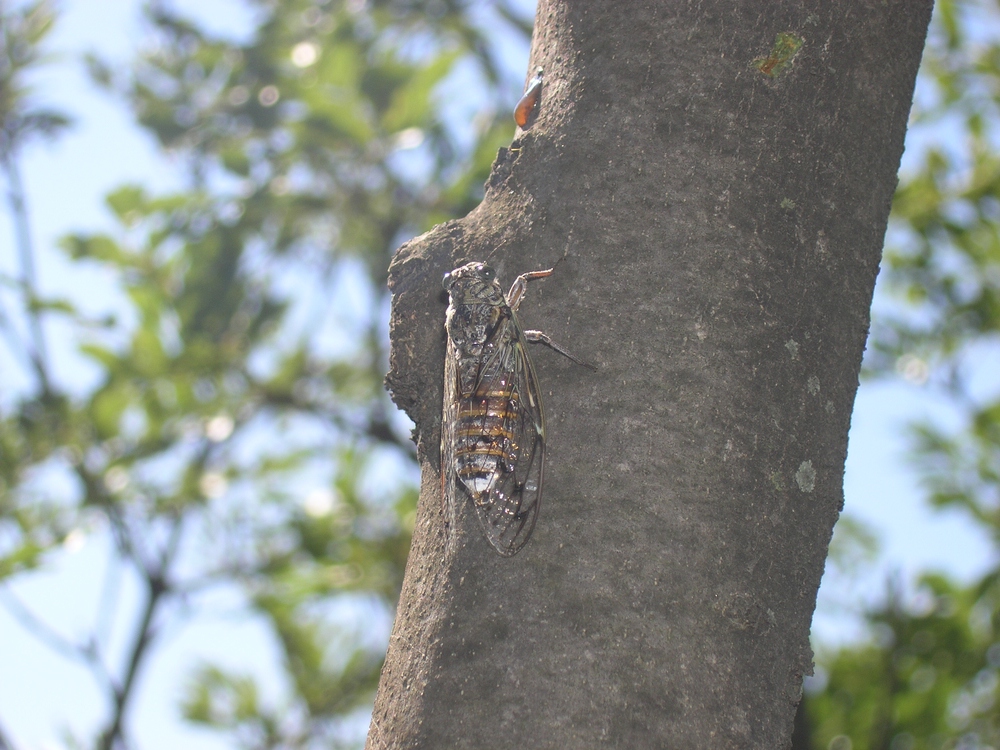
928, 678
238, 436
21, 35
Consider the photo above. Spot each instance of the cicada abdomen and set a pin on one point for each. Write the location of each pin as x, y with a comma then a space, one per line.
493, 433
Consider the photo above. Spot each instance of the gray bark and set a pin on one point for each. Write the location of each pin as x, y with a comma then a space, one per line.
722, 227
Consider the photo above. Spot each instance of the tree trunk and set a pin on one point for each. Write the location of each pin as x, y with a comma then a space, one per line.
718, 175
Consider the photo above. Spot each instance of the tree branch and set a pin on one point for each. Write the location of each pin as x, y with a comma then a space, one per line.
108, 599
5, 744
85, 652
17, 346
41, 629
157, 587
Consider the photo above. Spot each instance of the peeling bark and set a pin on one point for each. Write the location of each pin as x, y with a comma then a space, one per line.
718, 176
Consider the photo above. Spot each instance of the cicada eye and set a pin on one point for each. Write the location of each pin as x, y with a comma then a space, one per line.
488, 273
446, 281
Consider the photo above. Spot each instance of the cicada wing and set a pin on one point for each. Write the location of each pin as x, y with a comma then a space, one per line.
449, 421
509, 509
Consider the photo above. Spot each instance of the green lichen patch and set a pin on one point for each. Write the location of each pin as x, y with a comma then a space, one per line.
786, 45
777, 481
805, 477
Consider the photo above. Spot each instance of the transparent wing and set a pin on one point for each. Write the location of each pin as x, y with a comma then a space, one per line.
508, 508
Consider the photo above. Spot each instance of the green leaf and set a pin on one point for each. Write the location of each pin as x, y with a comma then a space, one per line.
412, 104
128, 203
99, 247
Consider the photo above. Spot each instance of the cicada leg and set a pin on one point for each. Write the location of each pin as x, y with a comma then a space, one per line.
537, 337
520, 286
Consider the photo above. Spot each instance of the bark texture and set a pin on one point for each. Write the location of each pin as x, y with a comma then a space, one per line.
718, 175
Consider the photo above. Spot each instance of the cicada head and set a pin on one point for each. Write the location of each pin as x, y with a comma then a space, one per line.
474, 282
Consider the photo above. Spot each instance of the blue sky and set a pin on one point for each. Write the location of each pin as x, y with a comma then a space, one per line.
66, 182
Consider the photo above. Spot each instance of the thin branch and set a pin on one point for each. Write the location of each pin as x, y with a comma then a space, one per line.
17, 347
41, 629
108, 601
376, 428
144, 637
95, 495
155, 575
5, 744
157, 587
169, 552
85, 652
26, 255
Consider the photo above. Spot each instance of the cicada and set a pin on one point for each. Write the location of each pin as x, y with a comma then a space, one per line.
525, 106
493, 431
